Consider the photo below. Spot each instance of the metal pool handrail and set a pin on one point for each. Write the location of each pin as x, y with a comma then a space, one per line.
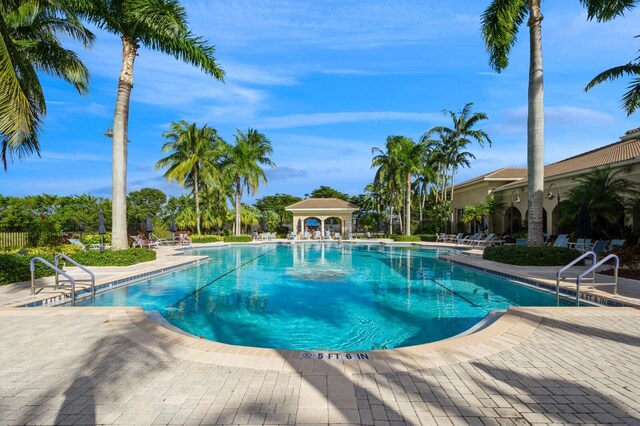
84, 268
568, 266
593, 268
32, 268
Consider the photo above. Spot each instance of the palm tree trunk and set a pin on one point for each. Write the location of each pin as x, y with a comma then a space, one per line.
238, 206
119, 239
407, 207
453, 172
195, 193
535, 127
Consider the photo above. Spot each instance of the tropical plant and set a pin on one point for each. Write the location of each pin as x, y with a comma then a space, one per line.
448, 151
30, 34
195, 155
159, 25
328, 192
631, 99
500, 24
473, 213
400, 161
606, 195
493, 207
243, 166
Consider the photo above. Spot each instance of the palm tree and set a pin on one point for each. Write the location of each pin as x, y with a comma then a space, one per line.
159, 25
401, 161
606, 195
243, 165
195, 154
494, 207
500, 25
454, 140
29, 42
631, 99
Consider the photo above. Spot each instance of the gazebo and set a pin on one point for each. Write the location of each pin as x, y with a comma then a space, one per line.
323, 209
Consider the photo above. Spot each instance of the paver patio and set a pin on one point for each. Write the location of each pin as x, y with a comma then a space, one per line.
116, 366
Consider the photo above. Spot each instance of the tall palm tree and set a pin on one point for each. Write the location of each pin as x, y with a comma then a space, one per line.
402, 159
631, 99
454, 140
30, 42
606, 194
243, 165
194, 159
159, 25
500, 25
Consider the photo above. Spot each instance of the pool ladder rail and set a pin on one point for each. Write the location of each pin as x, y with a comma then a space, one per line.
58, 282
591, 270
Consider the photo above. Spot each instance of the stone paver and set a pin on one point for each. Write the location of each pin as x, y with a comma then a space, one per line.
78, 366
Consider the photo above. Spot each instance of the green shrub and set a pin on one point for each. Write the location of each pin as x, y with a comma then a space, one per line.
206, 238
629, 256
406, 238
88, 239
44, 232
238, 239
15, 268
115, 257
531, 256
427, 237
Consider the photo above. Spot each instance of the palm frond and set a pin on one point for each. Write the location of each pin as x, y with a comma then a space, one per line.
605, 10
500, 24
631, 99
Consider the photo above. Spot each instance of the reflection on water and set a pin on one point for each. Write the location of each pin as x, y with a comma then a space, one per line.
339, 297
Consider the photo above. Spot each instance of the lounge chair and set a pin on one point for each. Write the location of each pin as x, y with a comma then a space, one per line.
327, 235
599, 247
615, 243
561, 241
317, 235
337, 235
485, 242
292, 235
162, 241
455, 238
582, 244
471, 239
442, 237
90, 246
306, 235
522, 242
143, 242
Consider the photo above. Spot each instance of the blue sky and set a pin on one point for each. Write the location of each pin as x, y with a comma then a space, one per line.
328, 80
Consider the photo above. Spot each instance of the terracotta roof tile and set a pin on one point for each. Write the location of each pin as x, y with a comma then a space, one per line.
322, 203
603, 156
506, 173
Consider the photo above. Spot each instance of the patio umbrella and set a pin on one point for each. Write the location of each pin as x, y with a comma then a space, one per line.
172, 226
101, 229
449, 226
149, 225
584, 223
484, 225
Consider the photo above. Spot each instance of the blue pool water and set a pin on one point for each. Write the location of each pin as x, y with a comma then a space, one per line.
338, 297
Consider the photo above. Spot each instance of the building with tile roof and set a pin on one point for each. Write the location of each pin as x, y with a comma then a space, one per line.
510, 184
322, 209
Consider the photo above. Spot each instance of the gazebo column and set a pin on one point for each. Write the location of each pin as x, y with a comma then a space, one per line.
321, 227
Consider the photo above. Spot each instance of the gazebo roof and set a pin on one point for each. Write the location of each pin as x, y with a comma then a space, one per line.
319, 204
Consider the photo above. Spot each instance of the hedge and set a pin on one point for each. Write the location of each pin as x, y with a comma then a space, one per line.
238, 239
406, 238
206, 238
427, 237
14, 267
125, 257
531, 256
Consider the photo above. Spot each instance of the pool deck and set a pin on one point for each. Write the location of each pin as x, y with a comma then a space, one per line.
117, 366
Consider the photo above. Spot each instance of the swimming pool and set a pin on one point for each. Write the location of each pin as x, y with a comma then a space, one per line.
324, 296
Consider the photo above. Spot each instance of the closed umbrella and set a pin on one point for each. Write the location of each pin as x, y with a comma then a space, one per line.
299, 225
584, 223
101, 229
149, 225
172, 226
484, 225
449, 226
